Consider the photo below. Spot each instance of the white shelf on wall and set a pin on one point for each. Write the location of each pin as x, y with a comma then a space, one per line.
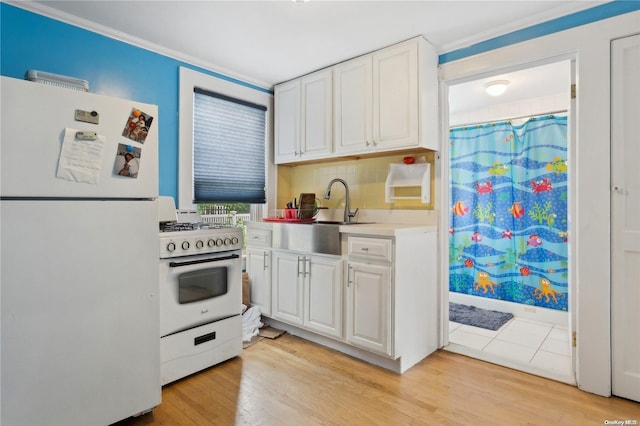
408, 176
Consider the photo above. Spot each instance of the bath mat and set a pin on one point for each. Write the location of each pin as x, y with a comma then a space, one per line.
476, 317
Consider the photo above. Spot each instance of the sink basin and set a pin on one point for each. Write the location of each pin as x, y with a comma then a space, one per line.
306, 239
321, 237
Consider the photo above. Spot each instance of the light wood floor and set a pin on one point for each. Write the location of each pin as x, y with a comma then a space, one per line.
290, 381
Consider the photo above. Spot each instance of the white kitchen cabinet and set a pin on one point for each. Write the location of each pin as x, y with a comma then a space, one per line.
288, 286
259, 266
287, 121
353, 105
259, 270
395, 97
369, 307
307, 291
304, 120
378, 301
387, 100
392, 297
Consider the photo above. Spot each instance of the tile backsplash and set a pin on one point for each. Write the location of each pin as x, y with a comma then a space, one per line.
365, 177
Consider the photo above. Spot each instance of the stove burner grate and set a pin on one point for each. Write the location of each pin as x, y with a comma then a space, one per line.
184, 226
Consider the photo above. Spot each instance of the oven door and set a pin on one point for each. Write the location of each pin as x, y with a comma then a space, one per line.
200, 289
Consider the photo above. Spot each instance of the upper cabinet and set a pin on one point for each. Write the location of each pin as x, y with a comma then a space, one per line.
376, 101
353, 105
383, 101
287, 121
303, 118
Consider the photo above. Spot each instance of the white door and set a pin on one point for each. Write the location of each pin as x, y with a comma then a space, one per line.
323, 300
317, 115
369, 307
32, 159
287, 121
258, 267
80, 331
395, 96
625, 217
287, 276
353, 97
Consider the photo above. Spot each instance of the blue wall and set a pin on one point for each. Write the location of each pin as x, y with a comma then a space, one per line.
31, 41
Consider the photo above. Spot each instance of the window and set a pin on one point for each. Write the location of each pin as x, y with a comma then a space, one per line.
228, 149
224, 160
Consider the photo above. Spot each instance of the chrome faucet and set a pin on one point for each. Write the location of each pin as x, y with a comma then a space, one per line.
348, 214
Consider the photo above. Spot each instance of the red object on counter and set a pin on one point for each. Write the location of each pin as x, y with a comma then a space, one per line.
285, 220
408, 160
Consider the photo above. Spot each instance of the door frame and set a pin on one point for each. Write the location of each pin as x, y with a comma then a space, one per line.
443, 194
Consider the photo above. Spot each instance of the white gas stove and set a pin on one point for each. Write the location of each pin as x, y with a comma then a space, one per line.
200, 292
183, 233
188, 239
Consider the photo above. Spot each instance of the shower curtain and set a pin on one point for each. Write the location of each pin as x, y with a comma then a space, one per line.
508, 238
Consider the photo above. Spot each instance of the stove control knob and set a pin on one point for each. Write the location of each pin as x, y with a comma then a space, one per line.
211, 242
171, 247
185, 245
219, 242
199, 244
235, 240
227, 241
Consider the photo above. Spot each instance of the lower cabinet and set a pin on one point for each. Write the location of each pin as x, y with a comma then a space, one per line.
307, 291
379, 301
368, 310
259, 270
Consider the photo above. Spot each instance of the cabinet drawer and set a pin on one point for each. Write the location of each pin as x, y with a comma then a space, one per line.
259, 237
370, 248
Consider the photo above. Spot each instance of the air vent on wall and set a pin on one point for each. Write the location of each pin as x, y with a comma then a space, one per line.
57, 80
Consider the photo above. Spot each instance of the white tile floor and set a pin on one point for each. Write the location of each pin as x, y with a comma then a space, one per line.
531, 346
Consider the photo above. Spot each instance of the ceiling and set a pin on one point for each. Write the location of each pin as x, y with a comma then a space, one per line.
268, 42
527, 84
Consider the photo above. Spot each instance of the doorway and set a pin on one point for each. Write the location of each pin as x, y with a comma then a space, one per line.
538, 337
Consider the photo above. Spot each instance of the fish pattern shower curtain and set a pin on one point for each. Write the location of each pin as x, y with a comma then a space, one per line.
508, 238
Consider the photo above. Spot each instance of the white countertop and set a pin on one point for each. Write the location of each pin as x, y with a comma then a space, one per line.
376, 228
387, 229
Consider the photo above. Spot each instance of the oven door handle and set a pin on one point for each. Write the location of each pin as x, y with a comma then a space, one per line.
196, 262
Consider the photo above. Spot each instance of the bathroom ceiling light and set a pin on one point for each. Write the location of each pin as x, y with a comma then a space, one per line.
496, 87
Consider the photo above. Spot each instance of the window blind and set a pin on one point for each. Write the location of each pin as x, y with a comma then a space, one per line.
228, 149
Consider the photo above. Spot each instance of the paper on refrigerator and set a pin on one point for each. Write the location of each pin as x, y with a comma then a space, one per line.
80, 160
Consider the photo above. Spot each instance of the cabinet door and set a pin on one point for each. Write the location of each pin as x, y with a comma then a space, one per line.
369, 307
259, 270
287, 121
287, 283
353, 97
317, 120
323, 301
395, 96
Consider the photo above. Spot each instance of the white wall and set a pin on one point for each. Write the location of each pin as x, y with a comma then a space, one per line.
589, 229
526, 107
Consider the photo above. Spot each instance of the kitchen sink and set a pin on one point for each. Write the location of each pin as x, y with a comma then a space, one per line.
310, 237
307, 238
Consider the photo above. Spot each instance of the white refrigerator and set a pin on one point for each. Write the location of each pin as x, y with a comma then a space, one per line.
78, 257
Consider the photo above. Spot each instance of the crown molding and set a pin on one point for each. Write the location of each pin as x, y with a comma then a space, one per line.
46, 11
